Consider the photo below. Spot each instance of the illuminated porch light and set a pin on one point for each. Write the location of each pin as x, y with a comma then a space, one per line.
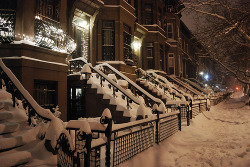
83, 23
201, 73
136, 45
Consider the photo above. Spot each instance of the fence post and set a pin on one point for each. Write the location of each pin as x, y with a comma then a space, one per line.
191, 111
187, 109
108, 133
199, 107
179, 121
88, 150
106, 118
157, 127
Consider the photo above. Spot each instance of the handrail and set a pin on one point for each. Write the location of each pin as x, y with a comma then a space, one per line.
158, 82
45, 113
184, 85
113, 83
13, 84
195, 85
132, 83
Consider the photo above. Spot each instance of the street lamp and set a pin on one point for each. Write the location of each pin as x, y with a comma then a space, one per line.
206, 77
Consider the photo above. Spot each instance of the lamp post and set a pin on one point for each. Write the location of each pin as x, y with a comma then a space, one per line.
85, 75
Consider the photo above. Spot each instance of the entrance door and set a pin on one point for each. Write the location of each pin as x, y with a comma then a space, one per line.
76, 103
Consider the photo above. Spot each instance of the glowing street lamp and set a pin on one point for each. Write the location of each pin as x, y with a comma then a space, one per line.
201, 73
206, 77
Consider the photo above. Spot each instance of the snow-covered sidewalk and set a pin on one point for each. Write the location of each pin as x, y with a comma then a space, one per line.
220, 137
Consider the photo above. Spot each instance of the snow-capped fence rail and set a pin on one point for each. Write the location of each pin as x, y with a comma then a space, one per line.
111, 144
199, 106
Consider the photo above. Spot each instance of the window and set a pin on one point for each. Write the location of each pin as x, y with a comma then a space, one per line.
45, 93
48, 8
108, 40
161, 57
10, 4
150, 56
171, 63
159, 17
148, 14
170, 30
127, 50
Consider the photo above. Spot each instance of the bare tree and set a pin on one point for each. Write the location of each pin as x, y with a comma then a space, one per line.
223, 29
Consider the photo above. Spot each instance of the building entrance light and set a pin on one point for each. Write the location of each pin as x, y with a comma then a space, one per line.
83, 24
136, 45
201, 73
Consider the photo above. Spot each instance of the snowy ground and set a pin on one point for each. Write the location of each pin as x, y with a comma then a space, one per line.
217, 138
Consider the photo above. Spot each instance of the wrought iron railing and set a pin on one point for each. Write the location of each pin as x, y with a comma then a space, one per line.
34, 112
121, 141
76, 66
132, 138
182, 107
195, 86
141, 73
7, 25
49, 34
135, 89
182, 84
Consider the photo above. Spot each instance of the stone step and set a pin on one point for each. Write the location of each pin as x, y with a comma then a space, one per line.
26, 136
8, 127
5, 115
15, 159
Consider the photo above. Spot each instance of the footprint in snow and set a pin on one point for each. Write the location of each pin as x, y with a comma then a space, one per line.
241, 154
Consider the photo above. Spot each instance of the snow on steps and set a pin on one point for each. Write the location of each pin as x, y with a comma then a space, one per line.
8, 127
14, 159
119, 102
19, 143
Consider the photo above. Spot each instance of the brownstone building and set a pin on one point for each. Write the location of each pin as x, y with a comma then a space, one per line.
38, 38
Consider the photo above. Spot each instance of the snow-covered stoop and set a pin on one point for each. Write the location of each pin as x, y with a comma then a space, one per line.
117, 104
21, 144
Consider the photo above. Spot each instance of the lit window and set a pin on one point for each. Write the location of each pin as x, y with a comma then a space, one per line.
171, 63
